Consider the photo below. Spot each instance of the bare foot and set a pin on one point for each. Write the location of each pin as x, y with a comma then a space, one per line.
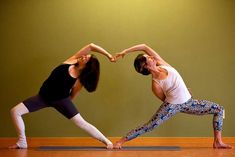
109, 146
117, 145
221, 145
14, 147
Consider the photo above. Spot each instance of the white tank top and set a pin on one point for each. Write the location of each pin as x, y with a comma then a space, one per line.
173, 87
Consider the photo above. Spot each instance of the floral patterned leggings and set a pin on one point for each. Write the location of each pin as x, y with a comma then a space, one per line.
192, 106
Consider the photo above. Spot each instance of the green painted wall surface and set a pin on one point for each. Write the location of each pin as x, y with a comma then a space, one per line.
197, 37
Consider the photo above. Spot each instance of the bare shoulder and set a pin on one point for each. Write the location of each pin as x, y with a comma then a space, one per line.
73, 71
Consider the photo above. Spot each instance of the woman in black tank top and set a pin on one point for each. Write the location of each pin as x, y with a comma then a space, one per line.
62, 85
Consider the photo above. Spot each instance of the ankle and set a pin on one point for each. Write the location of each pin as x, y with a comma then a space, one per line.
22, 144
121, 141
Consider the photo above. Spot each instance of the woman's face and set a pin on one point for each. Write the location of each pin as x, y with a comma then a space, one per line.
84, 59
150, 61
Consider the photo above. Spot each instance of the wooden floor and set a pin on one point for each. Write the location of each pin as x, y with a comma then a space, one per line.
190, 147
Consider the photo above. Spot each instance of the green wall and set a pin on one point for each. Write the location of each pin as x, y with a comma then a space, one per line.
195, 36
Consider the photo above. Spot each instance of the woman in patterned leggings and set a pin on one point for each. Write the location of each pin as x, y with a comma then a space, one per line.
169, 87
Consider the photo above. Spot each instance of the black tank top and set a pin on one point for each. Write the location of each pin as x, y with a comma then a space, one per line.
58, 85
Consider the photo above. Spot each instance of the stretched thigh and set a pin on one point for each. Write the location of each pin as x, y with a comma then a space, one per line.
201, 107
35, 103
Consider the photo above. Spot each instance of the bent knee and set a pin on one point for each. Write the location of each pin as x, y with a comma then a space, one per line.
14, 111
221, 108
19, 110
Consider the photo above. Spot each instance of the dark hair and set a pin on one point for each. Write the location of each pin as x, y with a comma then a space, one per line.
139, 63
89, 76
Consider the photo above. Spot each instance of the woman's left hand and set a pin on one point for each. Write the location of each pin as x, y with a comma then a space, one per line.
111, 58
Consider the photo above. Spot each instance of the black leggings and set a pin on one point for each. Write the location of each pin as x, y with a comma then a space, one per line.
64, 106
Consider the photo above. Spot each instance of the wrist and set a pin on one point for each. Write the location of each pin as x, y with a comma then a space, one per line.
125, 51
123, 140
109, 56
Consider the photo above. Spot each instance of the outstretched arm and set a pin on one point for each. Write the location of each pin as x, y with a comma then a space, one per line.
91, 47
145, 48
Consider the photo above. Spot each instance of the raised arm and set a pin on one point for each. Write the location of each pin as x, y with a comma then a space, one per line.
92, 47
143, 47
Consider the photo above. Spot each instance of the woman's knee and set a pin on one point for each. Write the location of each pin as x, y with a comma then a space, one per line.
19, 110
220, 109
14, 111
